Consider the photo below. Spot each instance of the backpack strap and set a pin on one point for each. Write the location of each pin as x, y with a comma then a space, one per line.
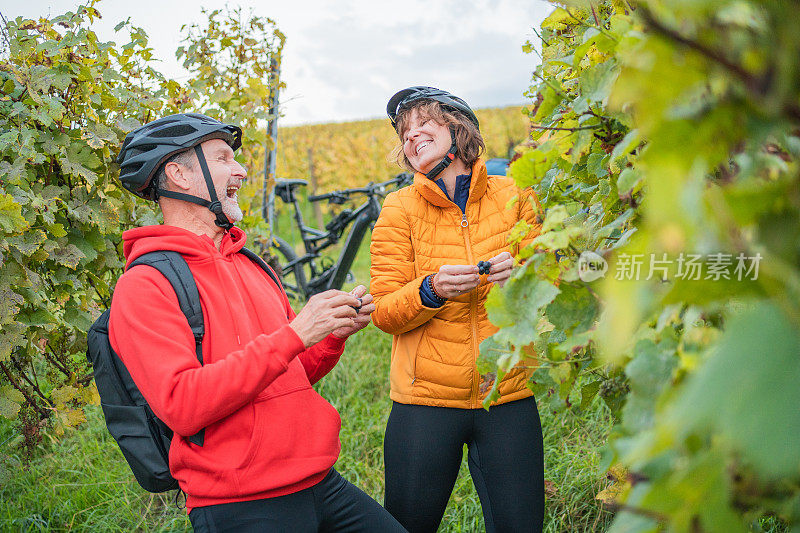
255, 258
173, 267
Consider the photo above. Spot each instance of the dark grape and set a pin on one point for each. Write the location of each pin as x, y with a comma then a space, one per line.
484, 267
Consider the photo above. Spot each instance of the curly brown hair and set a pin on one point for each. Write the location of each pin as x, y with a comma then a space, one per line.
469, 141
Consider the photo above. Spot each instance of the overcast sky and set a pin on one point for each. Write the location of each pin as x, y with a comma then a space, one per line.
344, 59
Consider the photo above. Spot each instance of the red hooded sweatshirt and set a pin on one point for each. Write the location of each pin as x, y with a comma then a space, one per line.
267, 432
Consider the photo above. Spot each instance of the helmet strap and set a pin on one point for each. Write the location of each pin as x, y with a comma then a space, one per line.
447, 159
215, 206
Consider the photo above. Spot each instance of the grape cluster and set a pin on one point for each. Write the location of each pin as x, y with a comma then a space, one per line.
614, 387
484, 267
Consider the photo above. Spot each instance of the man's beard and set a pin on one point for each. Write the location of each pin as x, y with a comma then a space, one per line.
232, 210
230, 206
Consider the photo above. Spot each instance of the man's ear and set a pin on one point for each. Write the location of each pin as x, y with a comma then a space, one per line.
178, 175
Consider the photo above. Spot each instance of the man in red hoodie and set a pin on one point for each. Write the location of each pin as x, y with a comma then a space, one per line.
270, 441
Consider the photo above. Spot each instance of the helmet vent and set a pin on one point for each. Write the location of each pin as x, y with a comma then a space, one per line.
145, 148
178, 130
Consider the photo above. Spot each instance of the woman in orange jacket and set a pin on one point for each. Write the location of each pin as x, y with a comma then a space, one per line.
429, 293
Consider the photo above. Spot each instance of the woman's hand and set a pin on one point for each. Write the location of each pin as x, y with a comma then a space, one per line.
502, 264
362, 318
325, 313
455, 280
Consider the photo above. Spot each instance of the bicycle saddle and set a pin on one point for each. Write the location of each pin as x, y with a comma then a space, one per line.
283, 182
285, 188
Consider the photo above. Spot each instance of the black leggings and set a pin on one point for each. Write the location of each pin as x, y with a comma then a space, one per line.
333, 504
423, 450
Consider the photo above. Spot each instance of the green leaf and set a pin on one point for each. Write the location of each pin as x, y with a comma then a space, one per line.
697, 495
28, 242
11, 336
596, 81
38, 318
627, 145
86, 248
750, 200
649, 373
574, 310
11, 401
530, 168
557, 17
551, 99
10, 303
629, 181
56, 230
80, 320
554, 218
69, 256
588, 393
558, 239
11, 219
747, 390
596, 165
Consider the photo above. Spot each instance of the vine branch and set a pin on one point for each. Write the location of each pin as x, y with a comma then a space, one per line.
33, 385
553, 128
53, 359
31, 401
752, 82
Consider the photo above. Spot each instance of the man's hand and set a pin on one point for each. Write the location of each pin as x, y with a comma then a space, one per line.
502, 264
324, 313
363, 317
455, 280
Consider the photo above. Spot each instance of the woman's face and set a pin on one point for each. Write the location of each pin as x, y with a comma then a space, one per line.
425, 142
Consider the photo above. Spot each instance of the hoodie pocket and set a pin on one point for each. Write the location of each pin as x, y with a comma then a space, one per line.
294, 379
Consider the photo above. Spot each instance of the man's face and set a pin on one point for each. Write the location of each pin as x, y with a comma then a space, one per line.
227, 175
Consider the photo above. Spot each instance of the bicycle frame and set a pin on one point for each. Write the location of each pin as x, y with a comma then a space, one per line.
316, 240
361, 219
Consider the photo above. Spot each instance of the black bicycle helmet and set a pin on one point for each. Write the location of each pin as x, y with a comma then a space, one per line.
403, 99
148, 147
407, 97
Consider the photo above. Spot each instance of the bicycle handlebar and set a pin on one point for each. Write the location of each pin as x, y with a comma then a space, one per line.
373, 188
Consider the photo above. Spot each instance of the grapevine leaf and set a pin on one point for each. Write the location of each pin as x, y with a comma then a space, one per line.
10, 402
574, 309
11, 219
744, 388
588, 393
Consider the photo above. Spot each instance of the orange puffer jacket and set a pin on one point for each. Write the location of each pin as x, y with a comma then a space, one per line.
434, 350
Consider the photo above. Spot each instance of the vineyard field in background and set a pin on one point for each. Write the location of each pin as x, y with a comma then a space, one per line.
351, 154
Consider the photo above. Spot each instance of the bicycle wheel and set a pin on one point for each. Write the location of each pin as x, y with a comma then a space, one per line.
293, 275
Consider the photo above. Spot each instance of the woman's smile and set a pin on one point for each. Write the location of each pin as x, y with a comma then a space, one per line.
422, 145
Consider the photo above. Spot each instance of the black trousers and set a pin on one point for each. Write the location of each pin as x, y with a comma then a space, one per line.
333, 504
423, 448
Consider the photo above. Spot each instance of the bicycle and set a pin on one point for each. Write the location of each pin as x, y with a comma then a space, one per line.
305, 276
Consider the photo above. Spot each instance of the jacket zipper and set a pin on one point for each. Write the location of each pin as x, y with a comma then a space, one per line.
473, 315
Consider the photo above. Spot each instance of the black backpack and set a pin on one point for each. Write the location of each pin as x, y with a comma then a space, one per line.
142, 437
